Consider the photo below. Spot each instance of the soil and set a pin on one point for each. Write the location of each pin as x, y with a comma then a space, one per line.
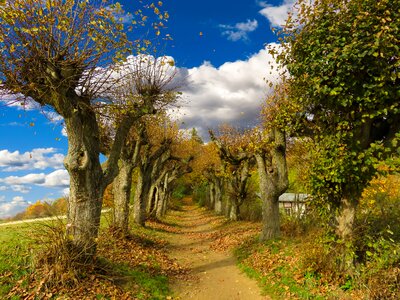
213, 274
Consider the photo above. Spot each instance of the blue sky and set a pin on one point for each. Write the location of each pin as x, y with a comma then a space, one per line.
218, 45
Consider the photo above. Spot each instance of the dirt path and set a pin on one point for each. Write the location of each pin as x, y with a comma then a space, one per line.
214, 274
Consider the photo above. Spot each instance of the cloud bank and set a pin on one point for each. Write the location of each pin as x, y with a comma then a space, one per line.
39, 158
56, 179
9, 209
232, 93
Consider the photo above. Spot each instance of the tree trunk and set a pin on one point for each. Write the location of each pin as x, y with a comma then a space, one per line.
86, 182
211, 187
218, 197
164, 207
234, 214
152, 200
163, 194
345, 232
345, 219
122, 193
141, 196
273, 176
271, 218
160, 204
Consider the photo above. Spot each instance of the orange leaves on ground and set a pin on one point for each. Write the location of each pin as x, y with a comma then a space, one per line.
103, 278
234, 234
139, 251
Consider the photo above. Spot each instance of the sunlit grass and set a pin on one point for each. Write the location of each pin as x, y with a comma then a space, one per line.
14, 255
18, 247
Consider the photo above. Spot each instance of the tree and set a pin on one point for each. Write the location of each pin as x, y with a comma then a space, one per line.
233, 150
149, 84
342, 57
158, 135
59, 54
269, 148
208, 172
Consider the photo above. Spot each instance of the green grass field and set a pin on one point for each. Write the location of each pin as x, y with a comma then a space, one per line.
14, 255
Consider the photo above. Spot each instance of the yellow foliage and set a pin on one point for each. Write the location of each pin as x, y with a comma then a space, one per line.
382, 191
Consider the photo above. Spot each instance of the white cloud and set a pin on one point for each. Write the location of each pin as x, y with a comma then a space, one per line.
64, 132
65, 192
277, 15
3, 188
18, 100
58, 178
9, 209
239, 31
21, 188
27, 179
232, 93
18, 199
40, 158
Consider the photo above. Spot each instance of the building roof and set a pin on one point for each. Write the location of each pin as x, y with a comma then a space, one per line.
293, 197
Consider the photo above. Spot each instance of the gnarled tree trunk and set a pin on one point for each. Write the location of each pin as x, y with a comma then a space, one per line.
122, 185
234, 214
238, 189
87, 178
273, 175
141, 196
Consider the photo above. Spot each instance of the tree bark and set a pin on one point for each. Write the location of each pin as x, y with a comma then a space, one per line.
160, 205
153, 200
122, 185
86, 181
211, 202
273, 176
234, 214
345, 219
238, 189
218, 196
141, 196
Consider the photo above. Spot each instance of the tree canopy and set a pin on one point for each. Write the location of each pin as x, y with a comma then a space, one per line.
343, 69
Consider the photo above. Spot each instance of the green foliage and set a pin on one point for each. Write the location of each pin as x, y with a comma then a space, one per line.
308, 261
179, 192
200, 193
342, 57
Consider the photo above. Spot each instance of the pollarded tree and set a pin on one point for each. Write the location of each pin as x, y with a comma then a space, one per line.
183, 150
149, 83
158, 135
233, 150
269, 148
58, 53
208, 171
343, 63
163, 185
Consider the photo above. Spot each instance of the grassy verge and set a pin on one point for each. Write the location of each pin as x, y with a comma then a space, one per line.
14, 256
301, 268
127, 267
277, 266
